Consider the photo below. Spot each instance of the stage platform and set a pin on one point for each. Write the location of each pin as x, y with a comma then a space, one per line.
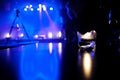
9, 43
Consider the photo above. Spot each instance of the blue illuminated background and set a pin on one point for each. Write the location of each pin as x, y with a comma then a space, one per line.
34, 20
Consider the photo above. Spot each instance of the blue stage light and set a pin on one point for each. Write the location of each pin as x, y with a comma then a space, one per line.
36, 36
27, 6
21, 35
44, 7
30, 6
40, 5
25, 9
40, 8
51, 8
50, 35
59, 34
7, 35
31, 9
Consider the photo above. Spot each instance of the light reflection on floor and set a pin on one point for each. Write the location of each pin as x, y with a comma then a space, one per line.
87, 65
40, 61
86, 62
8, 52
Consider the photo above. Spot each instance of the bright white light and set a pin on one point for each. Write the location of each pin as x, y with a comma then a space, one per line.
17, 25
21, 35
59, 34
51, 8
7, 35
109, 21
60, 48
37, 45
27, 6
40, 5
50, 35
36, 36
44, 7
25, 9
31, 9
38, 9
89, 35
30, 6
50, 47
87, 65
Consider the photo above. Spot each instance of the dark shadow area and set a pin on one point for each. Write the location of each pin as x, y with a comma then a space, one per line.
88, 15
7, 71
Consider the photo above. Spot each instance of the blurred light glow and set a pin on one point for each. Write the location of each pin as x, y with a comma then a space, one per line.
36, 36
8, 52
21, 35
42, 36
116, 21
110, 14
31, 9
38, 64
17, 25
30, 6
50, 47
51, 8
59, 34
44, 7
38, 9
87, 65
25, 9
37, 45
92, 53
89, 35
109, 21
50, 35
60, 48
27, 6
7, 35
40, 5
